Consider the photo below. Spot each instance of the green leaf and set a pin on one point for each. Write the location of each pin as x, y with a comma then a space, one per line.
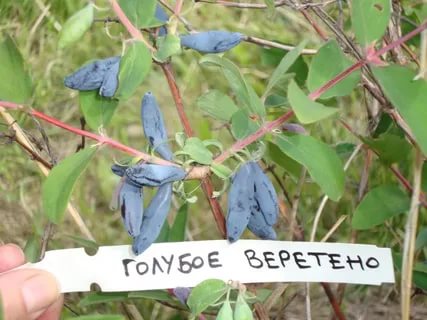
225, 313
16, 82
288, 164
390, 147
275, 100
408, 96
32, 248
419, 278
205, 294
197, 151
321, 161
102, 297
57, 188
326, 64
307, 110
177, 231
370, 19
378, 205
89, 245
242, 311
167, 47
98, 317
217, 105
164, 233
283, 67
140, 13
221, 170
97, 110
421, 241
134, 67
76, 26
160, 295
243, 91
242, 125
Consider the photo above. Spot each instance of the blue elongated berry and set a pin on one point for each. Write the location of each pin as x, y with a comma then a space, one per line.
111, 81
265, 195
153, 175
213, 41
119, 170
90, 76
240, 197
154, 126
257, 224
154, 217
162, 16
130, 200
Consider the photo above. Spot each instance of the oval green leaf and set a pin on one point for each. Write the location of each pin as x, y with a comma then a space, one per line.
378, 205
307, 110
97, 110
369, 19
283, 67
167, 47
243, 91
321, 161
217, 105
140, 13
177, 231
134, 67
205, 294
57, 188
76, 26
409, 96
242, 125
326, 64
16, 83
197, 151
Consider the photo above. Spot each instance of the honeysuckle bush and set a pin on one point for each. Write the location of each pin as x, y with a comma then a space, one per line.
344, 151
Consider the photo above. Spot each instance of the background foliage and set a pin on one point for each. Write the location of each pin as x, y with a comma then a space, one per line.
35, 26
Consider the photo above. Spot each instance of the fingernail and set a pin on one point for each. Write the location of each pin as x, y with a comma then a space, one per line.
39, 292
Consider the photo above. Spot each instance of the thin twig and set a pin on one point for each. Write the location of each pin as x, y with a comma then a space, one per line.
272, 44
24, 140
207, 185
295, 202
405, 183
410, 235
45, 239
333, 301
101, 139
363, 184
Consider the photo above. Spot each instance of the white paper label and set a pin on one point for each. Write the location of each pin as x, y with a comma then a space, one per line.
185, 264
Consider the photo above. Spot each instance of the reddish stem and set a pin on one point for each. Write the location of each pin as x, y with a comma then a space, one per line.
266, 128
134, 32
167, 70
315, 26
333, 301
207, 185
317, 93
101, 139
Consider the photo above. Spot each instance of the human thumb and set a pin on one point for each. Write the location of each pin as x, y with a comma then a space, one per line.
27, 293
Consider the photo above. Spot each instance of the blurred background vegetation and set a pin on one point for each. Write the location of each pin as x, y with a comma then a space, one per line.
34, 25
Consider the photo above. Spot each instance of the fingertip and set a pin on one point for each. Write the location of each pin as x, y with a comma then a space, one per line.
11, 256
